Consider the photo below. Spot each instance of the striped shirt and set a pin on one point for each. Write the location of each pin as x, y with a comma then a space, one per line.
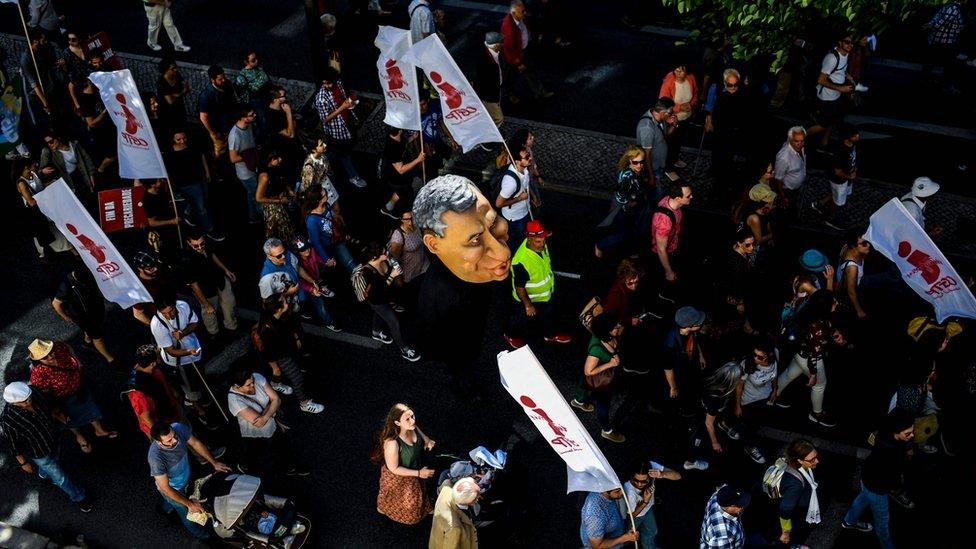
30, 433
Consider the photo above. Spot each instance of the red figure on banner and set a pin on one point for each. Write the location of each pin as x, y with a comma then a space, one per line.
920, 260
131, 124
88, 244
393, 75
450, 93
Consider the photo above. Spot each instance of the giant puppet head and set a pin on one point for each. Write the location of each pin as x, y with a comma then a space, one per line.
462, 229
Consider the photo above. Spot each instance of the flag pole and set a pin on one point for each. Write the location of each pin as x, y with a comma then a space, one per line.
29, 49
420, 119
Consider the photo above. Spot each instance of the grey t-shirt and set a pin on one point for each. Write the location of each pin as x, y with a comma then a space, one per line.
242, 141
650, 135
172, 461
258, 402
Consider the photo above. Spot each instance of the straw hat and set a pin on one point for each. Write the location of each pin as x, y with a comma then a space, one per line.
40, 348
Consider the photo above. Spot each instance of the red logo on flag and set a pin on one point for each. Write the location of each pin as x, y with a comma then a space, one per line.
454, 99
132, 124
560, 439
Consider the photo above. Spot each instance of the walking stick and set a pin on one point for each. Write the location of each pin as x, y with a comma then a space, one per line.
701, 145
33, 59
210, 392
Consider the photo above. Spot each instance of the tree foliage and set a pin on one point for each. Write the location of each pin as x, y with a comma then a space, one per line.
768, 27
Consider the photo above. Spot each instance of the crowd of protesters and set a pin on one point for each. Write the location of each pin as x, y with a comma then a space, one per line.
710, 339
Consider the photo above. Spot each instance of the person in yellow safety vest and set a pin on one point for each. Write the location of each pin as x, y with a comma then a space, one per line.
533, 283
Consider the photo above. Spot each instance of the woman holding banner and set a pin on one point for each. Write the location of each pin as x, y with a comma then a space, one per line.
47, 238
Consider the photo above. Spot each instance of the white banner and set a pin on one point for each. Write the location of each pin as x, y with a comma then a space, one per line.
398, 79
526, 380
139, 156
897, 235
464, 113
117, 281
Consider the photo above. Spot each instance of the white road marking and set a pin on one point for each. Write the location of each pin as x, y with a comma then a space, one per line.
821, 443
291, 27
321, 331
574, 276
592, 76
479, 6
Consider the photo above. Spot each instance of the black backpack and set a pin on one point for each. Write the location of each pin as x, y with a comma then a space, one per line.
492, 186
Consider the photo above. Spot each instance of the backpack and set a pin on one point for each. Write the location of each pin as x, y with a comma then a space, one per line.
492, 186
359, 283
833, 53
774, 476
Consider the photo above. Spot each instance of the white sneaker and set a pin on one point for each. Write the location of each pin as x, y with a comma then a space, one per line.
755, 455
729, 431
326, 292
181, 48
154, 47
282, 388
861, 88
410, 355
358, 181
298, 528
312, 407
382, 337
699, 464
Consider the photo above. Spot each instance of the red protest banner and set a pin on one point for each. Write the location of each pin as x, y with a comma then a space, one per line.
121, 209
100, 43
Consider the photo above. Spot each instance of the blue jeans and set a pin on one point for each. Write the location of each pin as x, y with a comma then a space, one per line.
253, 208
516, 233
339, 152
195, 530
49, 468
342, 256
318, 303
647, 527
196, 202
878, 503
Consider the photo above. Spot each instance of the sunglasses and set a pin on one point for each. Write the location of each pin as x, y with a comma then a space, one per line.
731, 85
279, 256
761, 356
638, 162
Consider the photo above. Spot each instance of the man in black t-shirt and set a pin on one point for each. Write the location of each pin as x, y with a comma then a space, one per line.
190, 176
397, 173
161, 220
79, 301
842, 176
217, 105
209, 280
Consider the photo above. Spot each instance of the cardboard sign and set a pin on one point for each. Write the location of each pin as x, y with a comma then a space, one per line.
121, 209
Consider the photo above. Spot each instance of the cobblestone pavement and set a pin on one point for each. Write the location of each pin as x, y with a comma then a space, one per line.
584, 162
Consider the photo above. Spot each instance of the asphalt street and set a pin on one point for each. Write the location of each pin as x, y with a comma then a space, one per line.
358, 382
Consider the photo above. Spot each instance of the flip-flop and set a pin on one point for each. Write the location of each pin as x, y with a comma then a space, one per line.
86, 448
109, 435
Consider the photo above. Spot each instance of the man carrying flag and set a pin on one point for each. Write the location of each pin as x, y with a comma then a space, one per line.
465, 116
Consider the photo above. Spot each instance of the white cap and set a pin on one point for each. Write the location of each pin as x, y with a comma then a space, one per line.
17, 391
923, 187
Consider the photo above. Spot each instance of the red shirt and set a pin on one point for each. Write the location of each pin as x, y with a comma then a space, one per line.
661, 226
512, 41
142, 403
61, 380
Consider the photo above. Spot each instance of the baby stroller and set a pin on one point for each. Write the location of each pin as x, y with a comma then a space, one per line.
246, 517
484, 467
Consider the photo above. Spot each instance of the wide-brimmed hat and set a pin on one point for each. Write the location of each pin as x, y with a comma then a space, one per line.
760, 192
492, 38
39, 349
924, 187
814, 261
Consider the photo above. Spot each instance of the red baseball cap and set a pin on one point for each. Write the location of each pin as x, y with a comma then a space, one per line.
535, 228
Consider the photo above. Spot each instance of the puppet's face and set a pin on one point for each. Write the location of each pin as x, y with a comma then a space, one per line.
474, 243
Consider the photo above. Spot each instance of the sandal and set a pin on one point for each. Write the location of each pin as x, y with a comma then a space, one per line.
86, 448
108, 435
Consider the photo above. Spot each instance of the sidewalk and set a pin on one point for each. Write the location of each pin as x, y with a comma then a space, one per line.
583, 162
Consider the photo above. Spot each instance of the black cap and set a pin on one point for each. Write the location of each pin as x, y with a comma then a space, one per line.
733, 497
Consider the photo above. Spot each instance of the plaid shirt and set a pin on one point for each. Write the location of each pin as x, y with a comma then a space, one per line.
946, 25
720, 530
325, 104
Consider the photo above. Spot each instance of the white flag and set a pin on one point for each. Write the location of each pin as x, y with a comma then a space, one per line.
398, 79
464, 113
525, 379
897, 235
139, 156
117, 281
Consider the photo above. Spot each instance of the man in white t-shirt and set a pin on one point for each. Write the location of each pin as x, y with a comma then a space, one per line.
254, 403
513, 196
832, 83
790, 166
639, 491
172, 327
